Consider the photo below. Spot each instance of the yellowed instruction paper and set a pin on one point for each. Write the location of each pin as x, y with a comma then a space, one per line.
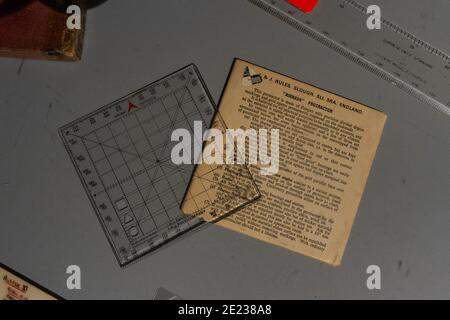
326, 147
13, 287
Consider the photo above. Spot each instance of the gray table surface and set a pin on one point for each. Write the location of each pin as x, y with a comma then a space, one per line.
47, 222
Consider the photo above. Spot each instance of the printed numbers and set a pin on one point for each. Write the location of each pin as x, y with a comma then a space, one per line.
246, 309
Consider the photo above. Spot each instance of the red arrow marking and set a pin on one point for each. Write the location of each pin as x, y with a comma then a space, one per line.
131, 106
304, 5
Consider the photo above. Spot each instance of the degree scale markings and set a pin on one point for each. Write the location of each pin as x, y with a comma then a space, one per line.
392, 53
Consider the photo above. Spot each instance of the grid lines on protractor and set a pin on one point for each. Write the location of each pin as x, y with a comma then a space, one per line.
123, 159
219, 189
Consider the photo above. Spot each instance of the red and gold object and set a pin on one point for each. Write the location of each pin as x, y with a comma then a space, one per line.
34, 30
